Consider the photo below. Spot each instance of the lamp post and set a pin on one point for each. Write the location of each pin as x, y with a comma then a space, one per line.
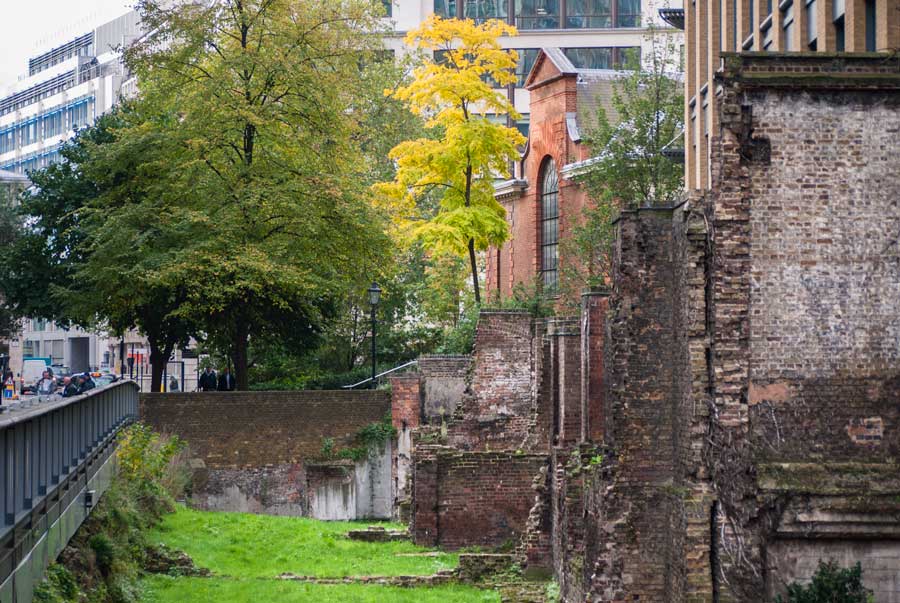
374, 298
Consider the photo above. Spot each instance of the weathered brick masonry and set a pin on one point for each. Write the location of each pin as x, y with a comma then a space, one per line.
806, 307
255, 429
753, 355
261, 451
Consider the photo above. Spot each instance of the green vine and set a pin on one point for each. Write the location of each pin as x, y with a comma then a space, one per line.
371, 437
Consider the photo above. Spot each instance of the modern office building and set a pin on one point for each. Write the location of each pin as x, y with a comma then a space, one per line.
593, 34
716, 26
63, 89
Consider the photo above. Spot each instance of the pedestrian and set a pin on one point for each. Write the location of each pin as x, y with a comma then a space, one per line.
9, 386
226, 381
208, 382
70, 387
173, 384
85, 383
46, 385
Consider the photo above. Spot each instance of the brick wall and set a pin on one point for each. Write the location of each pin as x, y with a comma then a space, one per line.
594, 306
565, 345
805, 307
497, 414
472, 498
406, 401
253, 429
554, 97
444, 382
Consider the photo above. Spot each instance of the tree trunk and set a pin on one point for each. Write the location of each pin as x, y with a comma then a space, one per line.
474, 265
159, 358
239, 356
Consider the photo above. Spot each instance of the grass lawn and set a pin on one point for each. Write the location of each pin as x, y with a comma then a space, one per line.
241, 545
163, 589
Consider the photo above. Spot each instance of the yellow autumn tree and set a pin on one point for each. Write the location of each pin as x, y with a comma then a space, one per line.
470, 146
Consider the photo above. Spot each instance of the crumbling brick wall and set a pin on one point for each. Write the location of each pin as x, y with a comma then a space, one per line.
472, 498
250, 450
496, 414
805, 230
444, 382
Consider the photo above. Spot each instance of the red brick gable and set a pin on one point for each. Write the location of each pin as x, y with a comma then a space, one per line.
553, 85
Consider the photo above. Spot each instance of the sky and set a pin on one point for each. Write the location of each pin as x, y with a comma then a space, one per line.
33, 26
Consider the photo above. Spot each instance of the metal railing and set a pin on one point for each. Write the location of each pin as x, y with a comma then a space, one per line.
380, 375
50, 454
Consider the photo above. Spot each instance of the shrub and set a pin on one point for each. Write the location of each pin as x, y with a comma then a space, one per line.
830, 584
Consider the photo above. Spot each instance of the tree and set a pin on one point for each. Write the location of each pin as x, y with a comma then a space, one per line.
630, 167
10, 229
268, 97
469, 148
830, 584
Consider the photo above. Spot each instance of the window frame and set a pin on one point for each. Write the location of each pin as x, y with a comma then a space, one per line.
549, 275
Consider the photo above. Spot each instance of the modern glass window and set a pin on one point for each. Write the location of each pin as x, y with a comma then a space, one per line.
527, 56
483, 10
549, 225
871, 24
388, 7
522, 125
628, 13
605, 58
537, 14
446, 9
589, 13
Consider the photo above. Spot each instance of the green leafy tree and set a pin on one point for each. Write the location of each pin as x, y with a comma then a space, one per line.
457, 166
269, 99
10, 229
630, 166
830, 584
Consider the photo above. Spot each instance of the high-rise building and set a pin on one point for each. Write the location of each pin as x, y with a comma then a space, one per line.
64, 88
593, 34
714, 27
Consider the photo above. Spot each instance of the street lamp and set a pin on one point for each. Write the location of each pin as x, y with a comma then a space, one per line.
374, 298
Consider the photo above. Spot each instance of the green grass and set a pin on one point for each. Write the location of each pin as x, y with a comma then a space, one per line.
242, 545
163, 589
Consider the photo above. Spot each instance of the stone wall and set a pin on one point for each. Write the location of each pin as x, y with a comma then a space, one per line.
472, 498
261, 452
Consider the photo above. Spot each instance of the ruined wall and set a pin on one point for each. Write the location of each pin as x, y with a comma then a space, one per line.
805, 230
251, 451
444, 381
496, 414
472, 498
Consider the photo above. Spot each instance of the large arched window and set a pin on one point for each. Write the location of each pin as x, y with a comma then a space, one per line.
549, 225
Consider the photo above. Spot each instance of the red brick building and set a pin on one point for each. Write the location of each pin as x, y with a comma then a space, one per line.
543, 203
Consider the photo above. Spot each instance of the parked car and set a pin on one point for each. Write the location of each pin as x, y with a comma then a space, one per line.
102, 379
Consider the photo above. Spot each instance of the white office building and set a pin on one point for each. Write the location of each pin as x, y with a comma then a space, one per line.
64, 88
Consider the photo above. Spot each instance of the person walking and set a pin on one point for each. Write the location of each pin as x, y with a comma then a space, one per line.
46, 385
226, 381
70, 387
208, 381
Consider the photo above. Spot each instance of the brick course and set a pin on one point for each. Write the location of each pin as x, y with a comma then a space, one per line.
254, 429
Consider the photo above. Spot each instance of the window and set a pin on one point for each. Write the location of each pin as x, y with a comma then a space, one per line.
871, 20
591, 58
628, 13
549, 225
787, 20
483, 10
445, 8
522, 125
605, 58
537, 14
388, 7
589, 13
527, 56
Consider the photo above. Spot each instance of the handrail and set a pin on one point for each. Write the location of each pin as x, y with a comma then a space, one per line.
379, 375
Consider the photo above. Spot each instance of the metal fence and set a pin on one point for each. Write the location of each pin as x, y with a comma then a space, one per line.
53, 453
